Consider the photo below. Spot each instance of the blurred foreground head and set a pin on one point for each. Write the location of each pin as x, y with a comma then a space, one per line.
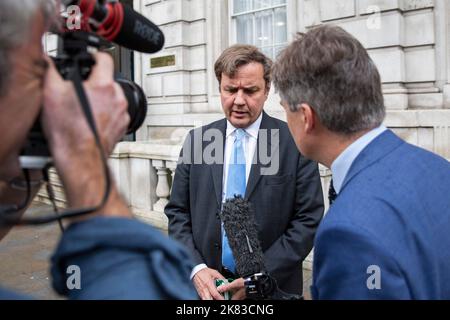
22, 71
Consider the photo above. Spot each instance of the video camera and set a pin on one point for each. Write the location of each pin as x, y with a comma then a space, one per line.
99, 23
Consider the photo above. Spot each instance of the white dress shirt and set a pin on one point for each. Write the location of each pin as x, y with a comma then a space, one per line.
249, 144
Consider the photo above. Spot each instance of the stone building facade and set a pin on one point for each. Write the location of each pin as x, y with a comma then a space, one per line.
409, 40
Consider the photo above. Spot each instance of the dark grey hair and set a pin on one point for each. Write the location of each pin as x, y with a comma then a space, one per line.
15, 19
239, 55
330, 70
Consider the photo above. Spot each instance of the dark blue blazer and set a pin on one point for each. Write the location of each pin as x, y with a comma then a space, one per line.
390, 222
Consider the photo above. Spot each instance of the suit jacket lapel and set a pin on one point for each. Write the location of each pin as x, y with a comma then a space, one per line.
255, 172
217, 168
378, 148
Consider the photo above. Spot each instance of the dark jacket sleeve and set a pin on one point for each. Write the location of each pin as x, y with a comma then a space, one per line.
118, 258
288, 251
177, 210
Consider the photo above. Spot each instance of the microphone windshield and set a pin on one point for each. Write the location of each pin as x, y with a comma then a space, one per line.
139, 33
240, 226
119, 23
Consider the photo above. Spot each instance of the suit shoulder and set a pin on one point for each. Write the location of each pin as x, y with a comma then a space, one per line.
406, 165
282, 126
422, 154
278, 123
213, 125
285, 135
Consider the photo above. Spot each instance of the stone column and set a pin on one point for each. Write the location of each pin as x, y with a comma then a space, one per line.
217, 37
171, 165
162, 188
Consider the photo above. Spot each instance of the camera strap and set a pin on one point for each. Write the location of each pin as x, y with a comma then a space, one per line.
84, 102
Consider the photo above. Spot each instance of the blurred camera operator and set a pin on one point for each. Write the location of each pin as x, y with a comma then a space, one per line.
119, 257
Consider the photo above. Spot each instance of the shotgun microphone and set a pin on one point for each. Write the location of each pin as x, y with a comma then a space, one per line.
119, 23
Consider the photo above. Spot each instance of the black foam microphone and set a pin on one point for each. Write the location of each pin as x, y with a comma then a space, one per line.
119, 23
240, 226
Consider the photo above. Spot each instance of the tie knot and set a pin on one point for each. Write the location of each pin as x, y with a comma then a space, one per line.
240, 133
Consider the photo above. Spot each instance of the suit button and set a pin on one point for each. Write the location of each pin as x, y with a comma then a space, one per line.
216, 245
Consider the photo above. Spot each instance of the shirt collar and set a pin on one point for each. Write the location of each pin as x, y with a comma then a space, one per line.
251, 130
341, 165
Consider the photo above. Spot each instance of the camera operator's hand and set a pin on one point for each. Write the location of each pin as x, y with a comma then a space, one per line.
71, 142
62, 115
237, 287
204, 282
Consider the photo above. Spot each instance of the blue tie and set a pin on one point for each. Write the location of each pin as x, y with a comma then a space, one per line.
235, 186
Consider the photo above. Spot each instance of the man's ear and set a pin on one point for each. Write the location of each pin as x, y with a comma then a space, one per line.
309, 117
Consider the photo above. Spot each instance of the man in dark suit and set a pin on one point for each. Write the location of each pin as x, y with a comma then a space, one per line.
386, 236
254, 156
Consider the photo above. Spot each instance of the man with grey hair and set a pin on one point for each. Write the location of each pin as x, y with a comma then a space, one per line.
387, 234
117, 256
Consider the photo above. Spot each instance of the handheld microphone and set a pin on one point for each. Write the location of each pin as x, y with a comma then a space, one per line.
119, 23
240, 225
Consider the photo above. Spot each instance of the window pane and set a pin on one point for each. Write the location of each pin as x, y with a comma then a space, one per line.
280, 27
242, 6
263, 25
244, 29
278, 2
259, 4
268, 51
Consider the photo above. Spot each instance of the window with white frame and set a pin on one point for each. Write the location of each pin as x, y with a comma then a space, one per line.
262, 23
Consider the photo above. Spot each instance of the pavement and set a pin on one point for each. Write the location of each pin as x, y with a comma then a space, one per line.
307, 282
24, 257
25, 253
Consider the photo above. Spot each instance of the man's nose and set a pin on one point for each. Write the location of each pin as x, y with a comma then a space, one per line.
239, 100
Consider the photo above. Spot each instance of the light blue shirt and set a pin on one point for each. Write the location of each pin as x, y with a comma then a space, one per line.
343, 162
